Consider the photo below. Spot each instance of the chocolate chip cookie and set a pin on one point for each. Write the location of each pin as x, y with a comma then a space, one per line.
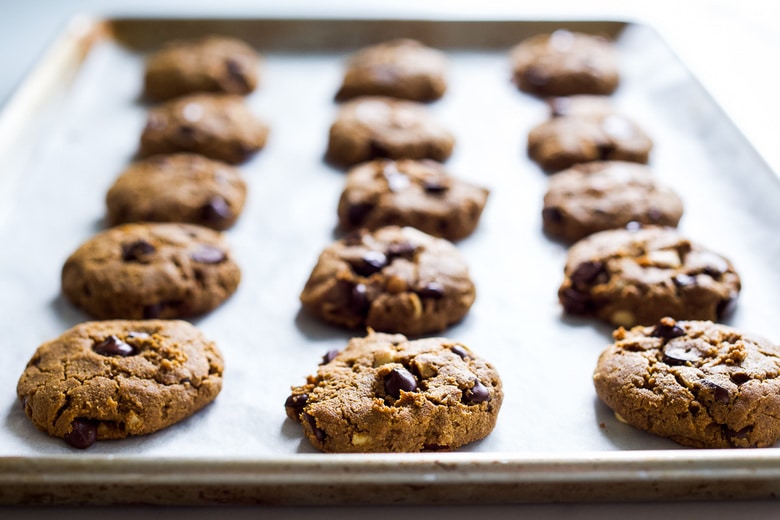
151, 271
177, 188
596, 196
384, 393
565, 63
392, 280
638, 276
701, 384
375, 127
207, 64
219, 126
420, 194
588, 132
114, 379
400, 68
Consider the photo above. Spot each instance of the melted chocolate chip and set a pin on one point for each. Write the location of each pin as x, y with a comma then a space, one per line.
576, 302
329, 356
680, 352
460, 351
400, 250
731, 435
377, 149
215, 210
312, 422
721, 394
586, 273
136, 251
83, 434
399, 379
113, 346
357, 213
432, 290
358, 299
205, 254
371, 262
606, 150
740, 378
476, 394
435, 186
296, 402
552, 215
667, 329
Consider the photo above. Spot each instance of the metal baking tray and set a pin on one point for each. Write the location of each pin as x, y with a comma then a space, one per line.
74, 125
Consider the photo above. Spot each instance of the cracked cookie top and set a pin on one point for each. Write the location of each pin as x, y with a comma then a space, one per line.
392, 280
699, 383
144, 270
113, 379
384, 393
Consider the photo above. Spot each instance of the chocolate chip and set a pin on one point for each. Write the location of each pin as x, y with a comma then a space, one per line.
740, 378
205, 254
680, 352
460, 351
726, 307
83, 434
296, 403
683, 280
400, 250
476, 394
113, 346
136, 251
399, 379
357, 213
152, 311
576, 302
552, 215
741, 434
312, 422
432, 290
215, 210
358, 299
377, 149
606, 150
721, 394
586, 273
186, 134
667, 328
371, 262
329, 356
435, 186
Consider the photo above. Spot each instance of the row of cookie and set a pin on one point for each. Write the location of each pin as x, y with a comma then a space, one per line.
691, 381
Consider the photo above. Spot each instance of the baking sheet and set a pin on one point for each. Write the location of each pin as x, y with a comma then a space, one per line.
551, 432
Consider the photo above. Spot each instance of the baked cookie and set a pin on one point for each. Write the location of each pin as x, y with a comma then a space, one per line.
588, 131
384, 393
151, 271
596, 196
218, 126
208, 64
564, 63
177, 188
400, 68
638, 276
412, 193
114, 379
700, 384
392, 280
373, 127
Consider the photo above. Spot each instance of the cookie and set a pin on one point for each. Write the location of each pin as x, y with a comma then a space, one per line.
413, 193
149, 271
638, 276
177, 188
597, 196
208, 64
700, 384
218, 126
400, 68
115, 379
381, 127
591, 132
392, 280
565, 63
384, 393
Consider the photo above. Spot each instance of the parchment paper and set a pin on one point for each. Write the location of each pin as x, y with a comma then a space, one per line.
545, 359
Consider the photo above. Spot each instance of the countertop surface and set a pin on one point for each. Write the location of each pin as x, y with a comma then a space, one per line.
730, 46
